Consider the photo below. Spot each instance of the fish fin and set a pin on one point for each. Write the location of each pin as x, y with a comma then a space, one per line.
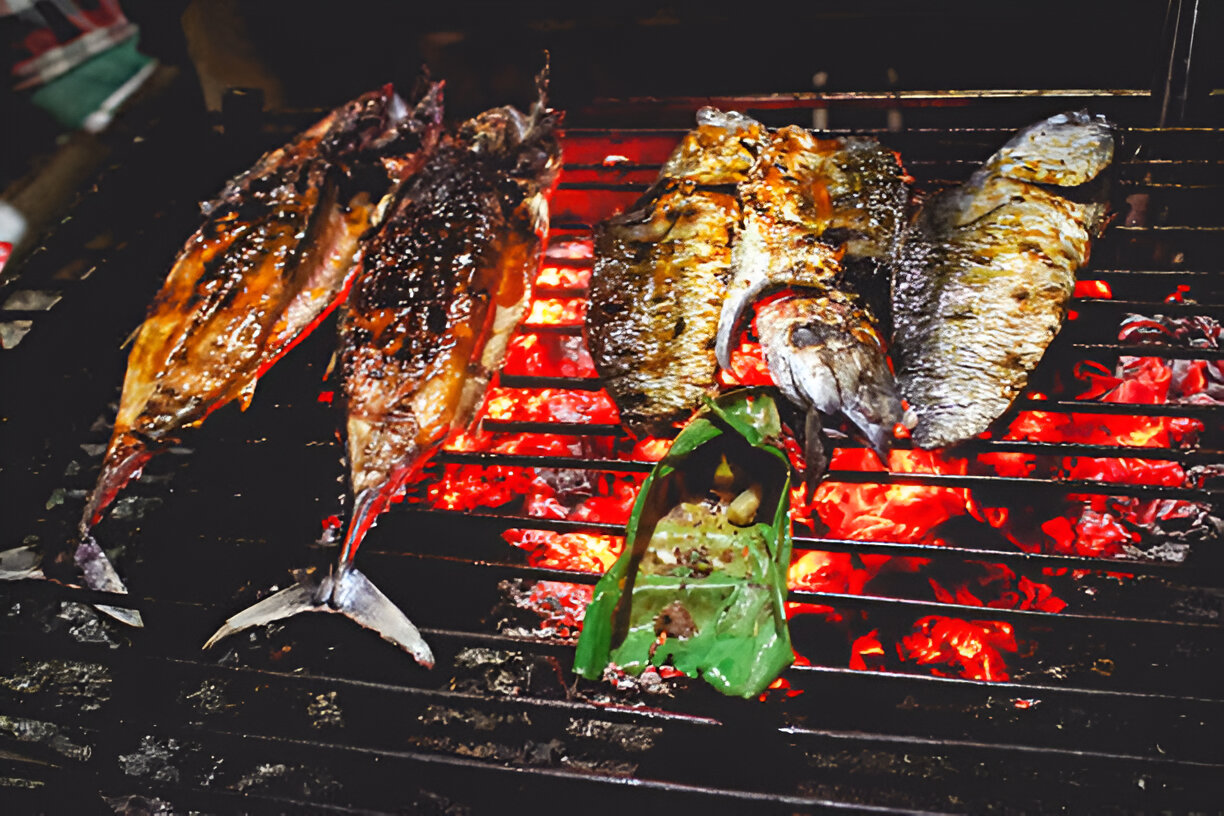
743, 289
247, 394
540, 106
125, 458
345, 591
20, 563
815, 454
131, 337
100, 574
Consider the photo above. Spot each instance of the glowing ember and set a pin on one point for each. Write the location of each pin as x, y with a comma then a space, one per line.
883, 512
578, 552
550, 405
951, 647
548, 355
557, 312
1092, 289
1087, 525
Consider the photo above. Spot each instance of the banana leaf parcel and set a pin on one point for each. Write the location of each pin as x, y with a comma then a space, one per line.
702, 580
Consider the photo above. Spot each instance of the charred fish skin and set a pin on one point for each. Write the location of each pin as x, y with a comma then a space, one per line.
276, 252
660, 274
987, 271
822, 344
442, 285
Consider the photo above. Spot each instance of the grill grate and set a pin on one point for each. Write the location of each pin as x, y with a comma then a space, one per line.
1115, 709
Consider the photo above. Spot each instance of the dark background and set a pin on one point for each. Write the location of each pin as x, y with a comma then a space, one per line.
488, 51
311, 56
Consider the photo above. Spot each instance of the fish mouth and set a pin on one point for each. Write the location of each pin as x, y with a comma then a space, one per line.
824, 357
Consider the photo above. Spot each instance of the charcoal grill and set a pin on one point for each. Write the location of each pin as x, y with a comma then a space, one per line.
1116, 708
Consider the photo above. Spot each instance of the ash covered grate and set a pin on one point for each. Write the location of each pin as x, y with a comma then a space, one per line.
1088, 642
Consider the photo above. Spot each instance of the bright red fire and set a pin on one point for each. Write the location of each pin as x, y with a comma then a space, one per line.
969, 646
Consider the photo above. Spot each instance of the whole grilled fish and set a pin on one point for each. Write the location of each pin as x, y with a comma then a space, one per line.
441, 287
987, 271
813, 208
661, 272
273, 257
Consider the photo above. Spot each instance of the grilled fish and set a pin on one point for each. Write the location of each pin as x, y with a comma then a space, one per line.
661, 271
813, 208
441, 287
274, 255
987, 271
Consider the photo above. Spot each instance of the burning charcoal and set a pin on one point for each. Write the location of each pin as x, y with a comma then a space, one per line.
571, 486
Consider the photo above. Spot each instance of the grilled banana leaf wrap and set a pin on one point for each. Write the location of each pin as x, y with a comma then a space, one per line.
701, 584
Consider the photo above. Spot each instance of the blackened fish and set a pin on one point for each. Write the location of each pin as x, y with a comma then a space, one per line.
661, 272
812, 208
987, 272
273, 257
441, 287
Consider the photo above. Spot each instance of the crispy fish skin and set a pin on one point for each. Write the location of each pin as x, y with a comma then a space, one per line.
275, 253
847, 193
660, 275
441, 287
987, 271
822, 344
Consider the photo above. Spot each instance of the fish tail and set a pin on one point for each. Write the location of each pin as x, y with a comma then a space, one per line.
345, 591
20, 563
99, 573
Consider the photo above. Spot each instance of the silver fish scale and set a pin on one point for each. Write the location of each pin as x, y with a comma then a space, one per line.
986, 274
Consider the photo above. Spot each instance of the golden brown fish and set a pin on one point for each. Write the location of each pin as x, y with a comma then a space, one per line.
441, 287
274, 255
661, 272
811, 208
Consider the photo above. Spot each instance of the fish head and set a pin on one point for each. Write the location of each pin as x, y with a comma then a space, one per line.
414, 133
368, 122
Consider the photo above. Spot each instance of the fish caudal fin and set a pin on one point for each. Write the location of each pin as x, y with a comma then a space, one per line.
100, 574
20, 563
820, 363
345, 591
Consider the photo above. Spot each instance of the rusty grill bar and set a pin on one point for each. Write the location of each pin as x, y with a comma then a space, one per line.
1117, 708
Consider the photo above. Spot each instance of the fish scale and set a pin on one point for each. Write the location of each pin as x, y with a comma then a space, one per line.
660, 276
987, 271
257, 275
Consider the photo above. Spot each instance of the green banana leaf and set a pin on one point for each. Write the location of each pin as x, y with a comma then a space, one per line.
702, 581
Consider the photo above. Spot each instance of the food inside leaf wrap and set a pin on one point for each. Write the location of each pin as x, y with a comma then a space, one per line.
702, 581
